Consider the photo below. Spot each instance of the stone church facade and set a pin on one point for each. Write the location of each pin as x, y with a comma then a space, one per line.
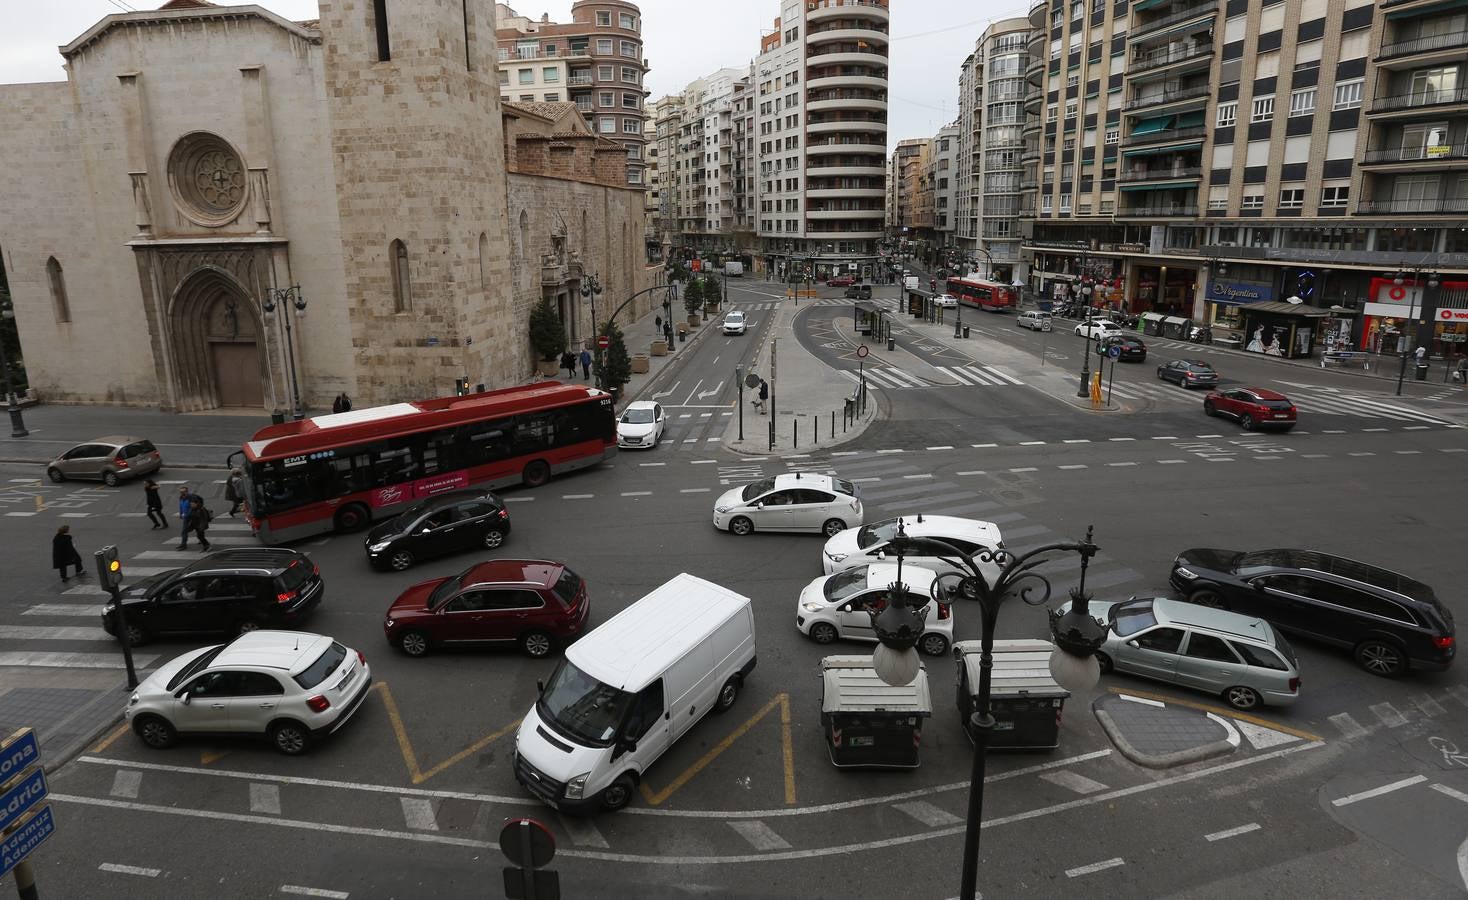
201, 161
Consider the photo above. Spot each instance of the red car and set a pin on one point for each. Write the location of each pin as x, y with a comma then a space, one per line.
840, 281
1252, 407
531, 602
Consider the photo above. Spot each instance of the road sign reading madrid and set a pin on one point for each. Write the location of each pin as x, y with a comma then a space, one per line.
21, 796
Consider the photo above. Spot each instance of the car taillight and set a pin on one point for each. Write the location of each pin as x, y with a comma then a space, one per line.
942, 611
1443, 643
1294, 685
1189, 375
315, 569
361, 657
318, 703
286, 596
121, 463
504, 514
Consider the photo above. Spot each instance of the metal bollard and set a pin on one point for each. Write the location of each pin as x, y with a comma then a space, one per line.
833, 423
794, 434
772, 434
816, 424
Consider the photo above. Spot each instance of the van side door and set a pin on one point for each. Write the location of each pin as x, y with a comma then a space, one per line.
649, 726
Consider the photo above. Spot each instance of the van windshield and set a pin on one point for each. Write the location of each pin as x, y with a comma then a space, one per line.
582, 708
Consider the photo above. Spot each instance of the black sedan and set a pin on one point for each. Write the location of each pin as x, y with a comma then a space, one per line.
1132, 348
1390, 622
448, 523
1188, 373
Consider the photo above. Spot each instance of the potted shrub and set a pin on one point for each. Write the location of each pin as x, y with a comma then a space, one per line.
547, 336
712, 295
693, 300
613, 366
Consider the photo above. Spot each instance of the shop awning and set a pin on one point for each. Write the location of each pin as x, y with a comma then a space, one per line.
1190, 119
1274, 307
1160, 186
1154, 124
1157, 151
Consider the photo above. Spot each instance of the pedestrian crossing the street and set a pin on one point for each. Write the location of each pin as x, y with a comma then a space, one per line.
893, 378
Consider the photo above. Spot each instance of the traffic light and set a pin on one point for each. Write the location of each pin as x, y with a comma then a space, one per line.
109, 567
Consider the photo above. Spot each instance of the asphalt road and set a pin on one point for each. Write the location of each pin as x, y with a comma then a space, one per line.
409, 797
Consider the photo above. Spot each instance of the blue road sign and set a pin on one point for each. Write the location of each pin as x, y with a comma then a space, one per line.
1113, 351
16, 752
23, 796
19, 843
433, 342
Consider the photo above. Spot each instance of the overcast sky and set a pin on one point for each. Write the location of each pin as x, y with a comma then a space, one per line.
930, 38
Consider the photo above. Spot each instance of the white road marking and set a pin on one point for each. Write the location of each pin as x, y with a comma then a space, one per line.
418, 813
1164, 437
75, 515
1447, 791
1076, 466
1231, 733
90, 589
865, 480
1170, 462
971, 472
577, 496
1231, 832
694, 490
1095, 867
583, 833
1144, 700
982, 446
759, 835
1219, 435
20, 514
518, 499
927, 813
1429, 706
1347, 725
1263, 738
54, 633
1406, 452
1388, 715
265, 798
1121, 439
834, 453
126, 784
71, 660
1314, 455
1073, 781
63, 609
1121, 464
183, 556
1079, 441
944, 447
651, 465
1376, 429
637, 493
889, 451
709, 462
299, 891
1025, 469
1032, 443
921, 475
129, 870
1378, 791
1453, 449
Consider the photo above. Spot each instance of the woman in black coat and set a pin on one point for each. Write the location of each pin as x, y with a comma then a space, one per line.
63, 552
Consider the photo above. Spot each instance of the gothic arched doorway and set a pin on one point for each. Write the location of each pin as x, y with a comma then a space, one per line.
217, 354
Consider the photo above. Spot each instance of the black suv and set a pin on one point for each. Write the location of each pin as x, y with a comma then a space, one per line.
230, 591
1390, 622
448, 523
859, 292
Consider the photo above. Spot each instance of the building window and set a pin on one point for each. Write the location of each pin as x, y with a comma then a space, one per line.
1072, 80
1113, 135
603, 46
1253, 201
629, 49
1227, 113
629, 75
1302, 102
603, 19
628, 21
606, 125
631, 101
552, 97
1263, 109
631, 126
527, 98
606, 98
1052, 113
1292, 198
402, 284
550, 74
379, 23
527, 76
504, 77
1335, 196
1348, 94
59, 304
604, 73
1218, 203
1070, 109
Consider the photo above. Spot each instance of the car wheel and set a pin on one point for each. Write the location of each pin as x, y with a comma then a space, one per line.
933, 644
618, 794
1381, 658
536, 474
400, 560
1104, 662
1240, 697
352, 517
55, 475
413, 643
137, 635
290, 738
155, 731
493, 539
536, 644
248, 625
109, 479
1206, 597
740, 525
1208, 409
823, 633
833, 527
1246, 422
727, 695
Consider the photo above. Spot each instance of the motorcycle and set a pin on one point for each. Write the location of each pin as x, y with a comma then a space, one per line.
1201, 334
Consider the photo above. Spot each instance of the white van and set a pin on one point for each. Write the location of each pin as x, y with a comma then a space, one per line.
911, 282
733, 269
630, 688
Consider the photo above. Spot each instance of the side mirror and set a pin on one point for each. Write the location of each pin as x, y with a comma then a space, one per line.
187, 698
628, 745
1133, 644
1258, 586
760, 505
539, 686
881, 554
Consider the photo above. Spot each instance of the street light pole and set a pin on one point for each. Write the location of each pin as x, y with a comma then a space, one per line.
280, 297
590, 288
1085, 389
17, 419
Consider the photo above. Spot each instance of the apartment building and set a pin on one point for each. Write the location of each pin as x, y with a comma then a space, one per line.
595, 61
704, 134
652, 184
667, 119
910, 216
1290, 172
820, 134
944, 158
970, 121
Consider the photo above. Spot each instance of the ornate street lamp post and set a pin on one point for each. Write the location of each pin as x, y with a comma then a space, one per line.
279, 297
989, 577
590, 289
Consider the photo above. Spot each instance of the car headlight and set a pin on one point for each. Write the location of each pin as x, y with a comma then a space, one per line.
836, 557
389, 622
1184, 573
812, 606
133, 700
379, 547
576, 787
722, 509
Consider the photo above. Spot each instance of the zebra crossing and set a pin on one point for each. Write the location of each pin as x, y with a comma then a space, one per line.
755, 306
893, 378
1309, 402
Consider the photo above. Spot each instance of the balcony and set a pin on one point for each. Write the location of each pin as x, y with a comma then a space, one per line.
1141, 30
1164, 135
1407, 156
1424, 206
828, 147
877, 82
841, 54
1190, 93
1168, 56
848, 9
834, 214
1410, 103
1035, 72
1187, 173
1449, 46
878, 104
1040, 14
831, 34
1167, 211
579, 80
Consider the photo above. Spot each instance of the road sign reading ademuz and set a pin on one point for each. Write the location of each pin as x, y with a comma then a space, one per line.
25, 817
529, 845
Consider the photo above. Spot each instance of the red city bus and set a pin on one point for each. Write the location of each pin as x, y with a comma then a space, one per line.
982, 294
340, 471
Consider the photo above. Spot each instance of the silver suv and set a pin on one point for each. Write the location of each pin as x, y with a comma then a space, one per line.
1242, 659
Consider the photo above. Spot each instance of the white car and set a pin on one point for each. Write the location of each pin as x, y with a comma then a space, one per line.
798, 501
1098, 329
735, 323
946, 301
290, 686
1034, 319
870, 543
835, 606
641, 424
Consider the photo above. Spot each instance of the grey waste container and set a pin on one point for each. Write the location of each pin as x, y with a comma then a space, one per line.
965, 331
1422, 371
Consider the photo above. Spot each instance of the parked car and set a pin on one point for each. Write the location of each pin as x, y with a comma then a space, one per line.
797, 501
1132, 348
110, 459
945, 301
735, 322
448, 523
1098, 329
640, 426
1389, 621
1252, 408
869, 543
840, 281
859, 292
290, 686
1242, 659
1035, 320
835, 606
535, 603
227, 592
1188, 373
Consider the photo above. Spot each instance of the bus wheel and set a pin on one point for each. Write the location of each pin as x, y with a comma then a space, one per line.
536, 473
352, 517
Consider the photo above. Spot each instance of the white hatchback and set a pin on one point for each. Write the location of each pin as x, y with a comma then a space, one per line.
871, 543
290, 686
797, 501
835, 606
945, 301
735, 323
1098, 329
640, 426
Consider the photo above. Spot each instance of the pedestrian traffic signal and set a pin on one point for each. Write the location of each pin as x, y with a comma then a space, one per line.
109, 567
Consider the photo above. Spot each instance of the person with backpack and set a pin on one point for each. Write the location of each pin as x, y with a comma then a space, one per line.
197, 522
234, 490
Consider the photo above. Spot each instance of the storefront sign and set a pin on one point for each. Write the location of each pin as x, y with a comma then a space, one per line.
1389, 310
1237, 292
1452, 315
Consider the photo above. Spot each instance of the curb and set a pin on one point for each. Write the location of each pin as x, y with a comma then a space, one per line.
73, 749
1161, 760
652, 382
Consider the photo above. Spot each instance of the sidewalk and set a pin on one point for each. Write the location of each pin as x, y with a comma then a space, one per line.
190, 440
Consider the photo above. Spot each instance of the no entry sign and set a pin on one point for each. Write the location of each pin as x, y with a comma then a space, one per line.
603, 341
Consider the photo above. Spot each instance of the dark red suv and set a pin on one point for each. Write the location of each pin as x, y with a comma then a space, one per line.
1252, 408
535, 603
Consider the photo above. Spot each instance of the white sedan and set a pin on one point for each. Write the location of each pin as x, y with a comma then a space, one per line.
735, 322
797, 501
835, 606
289, 686
640, 426
1098, 329
872, 543
945, 301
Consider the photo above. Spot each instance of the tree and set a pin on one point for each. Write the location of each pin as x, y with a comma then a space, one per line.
693, 295
547, 333
711, 290
613, 365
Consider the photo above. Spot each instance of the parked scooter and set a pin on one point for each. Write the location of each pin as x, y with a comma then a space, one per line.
1201, 334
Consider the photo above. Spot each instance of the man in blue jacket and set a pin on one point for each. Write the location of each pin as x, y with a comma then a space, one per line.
184, 497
